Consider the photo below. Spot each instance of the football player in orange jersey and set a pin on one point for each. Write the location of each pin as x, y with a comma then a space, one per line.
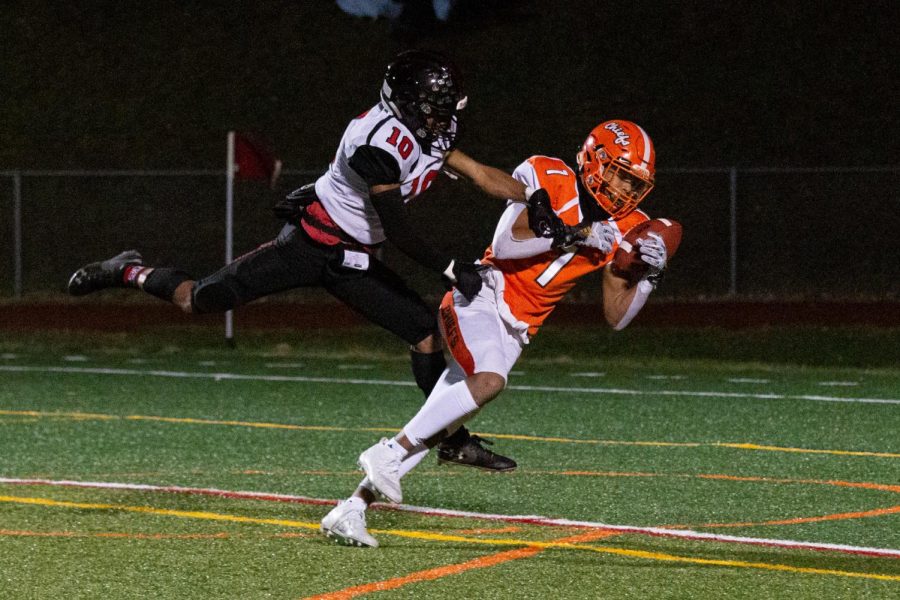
526, 276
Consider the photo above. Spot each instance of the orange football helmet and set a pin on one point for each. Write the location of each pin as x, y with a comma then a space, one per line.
617, 165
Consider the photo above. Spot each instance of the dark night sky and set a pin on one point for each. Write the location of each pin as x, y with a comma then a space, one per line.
107, 84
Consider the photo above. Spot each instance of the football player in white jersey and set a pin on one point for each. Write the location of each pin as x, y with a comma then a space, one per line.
387, 156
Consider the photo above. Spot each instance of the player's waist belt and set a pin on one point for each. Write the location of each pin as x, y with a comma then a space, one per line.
321, 228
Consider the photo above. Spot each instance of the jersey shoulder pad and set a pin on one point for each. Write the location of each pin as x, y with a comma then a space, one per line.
375, 165
526, 174
556, 177
549, 167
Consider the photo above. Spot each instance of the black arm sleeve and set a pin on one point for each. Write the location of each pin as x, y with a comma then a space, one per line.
375, 166
398, 229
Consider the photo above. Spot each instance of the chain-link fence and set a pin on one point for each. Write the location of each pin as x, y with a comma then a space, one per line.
779, 233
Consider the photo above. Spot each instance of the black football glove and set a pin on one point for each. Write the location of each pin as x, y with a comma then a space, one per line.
541, 218
465, 277
291, 207
567, 236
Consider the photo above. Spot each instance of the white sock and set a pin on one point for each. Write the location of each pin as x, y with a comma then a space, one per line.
443, 408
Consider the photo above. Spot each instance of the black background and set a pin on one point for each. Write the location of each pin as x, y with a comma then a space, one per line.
745, 84
156, 85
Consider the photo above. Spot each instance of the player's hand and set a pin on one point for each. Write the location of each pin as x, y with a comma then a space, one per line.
465, 277
568, 236
541, 218
601, 235
291, 207
653, 252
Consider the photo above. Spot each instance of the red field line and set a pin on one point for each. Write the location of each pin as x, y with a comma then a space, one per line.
531, 520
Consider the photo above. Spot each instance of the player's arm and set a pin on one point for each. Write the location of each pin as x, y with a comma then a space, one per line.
490, 180
499, 184
514, 237
398, 227
621, 302
381, 172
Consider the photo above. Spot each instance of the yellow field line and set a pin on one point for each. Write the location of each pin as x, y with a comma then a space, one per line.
501, 436
191, 421
115, 535
564, 440
421, 535
186, 514
881, 487
806, 450
438, 537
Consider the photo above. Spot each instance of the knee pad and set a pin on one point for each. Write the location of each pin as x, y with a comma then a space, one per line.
213, 297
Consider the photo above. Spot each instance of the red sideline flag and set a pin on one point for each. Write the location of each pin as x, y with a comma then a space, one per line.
254, 160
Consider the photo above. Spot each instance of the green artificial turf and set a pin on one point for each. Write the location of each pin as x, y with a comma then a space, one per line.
782, 449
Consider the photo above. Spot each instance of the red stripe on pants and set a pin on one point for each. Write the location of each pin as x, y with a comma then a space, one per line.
453, 334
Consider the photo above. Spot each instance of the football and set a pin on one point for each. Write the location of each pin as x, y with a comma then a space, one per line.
627, 261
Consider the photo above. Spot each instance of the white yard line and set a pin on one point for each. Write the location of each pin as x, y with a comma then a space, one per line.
685, 534
389, 382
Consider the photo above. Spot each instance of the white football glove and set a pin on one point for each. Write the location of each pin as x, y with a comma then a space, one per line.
602, 237
653, 252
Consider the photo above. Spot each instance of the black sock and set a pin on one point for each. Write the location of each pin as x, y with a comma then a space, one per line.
162, 283
427, 369
458, 438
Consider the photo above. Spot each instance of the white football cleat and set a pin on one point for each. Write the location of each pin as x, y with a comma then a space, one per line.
381, 464
346, 525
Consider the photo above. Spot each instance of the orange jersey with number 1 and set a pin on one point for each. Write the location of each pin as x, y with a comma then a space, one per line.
534, 285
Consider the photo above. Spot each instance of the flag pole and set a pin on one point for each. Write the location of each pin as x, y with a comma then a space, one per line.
229, 228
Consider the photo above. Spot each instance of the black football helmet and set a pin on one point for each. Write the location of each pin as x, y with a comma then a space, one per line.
424, 90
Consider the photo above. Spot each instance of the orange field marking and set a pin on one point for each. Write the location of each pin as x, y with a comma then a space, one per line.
429, 574
877, 512
481, 562
835, 482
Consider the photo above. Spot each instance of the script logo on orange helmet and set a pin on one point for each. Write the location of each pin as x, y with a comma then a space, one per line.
622, 138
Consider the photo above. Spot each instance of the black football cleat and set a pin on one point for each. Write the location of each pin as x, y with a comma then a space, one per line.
471, 453
101, 275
